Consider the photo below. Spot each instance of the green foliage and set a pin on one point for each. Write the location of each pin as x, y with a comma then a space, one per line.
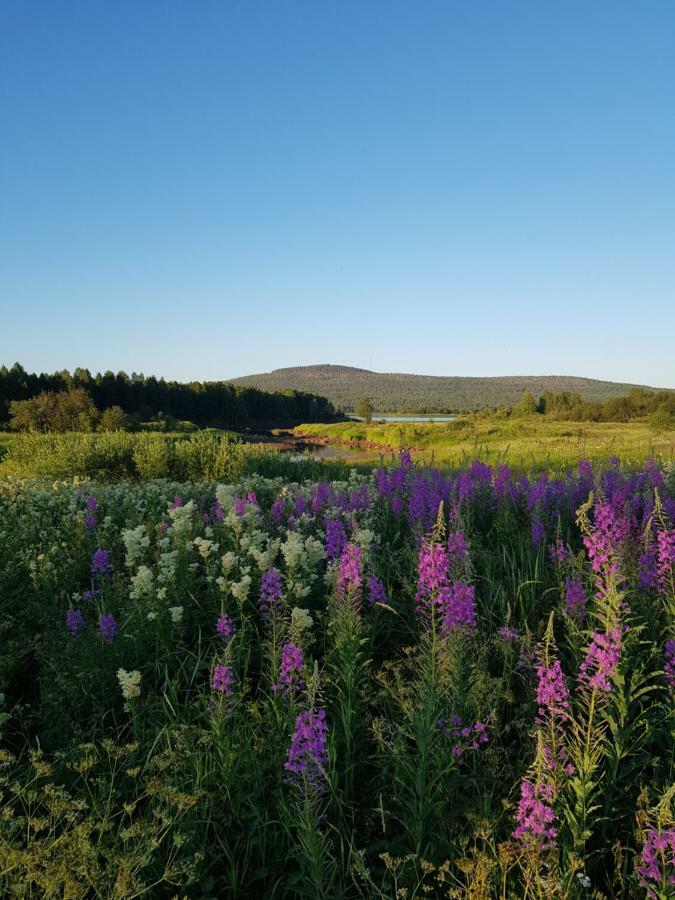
71, 410
364, 409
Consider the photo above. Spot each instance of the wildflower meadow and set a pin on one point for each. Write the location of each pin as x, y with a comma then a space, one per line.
405, 683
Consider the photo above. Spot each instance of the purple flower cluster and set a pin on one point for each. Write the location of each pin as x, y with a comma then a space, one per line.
270, 591
376, 591
665, 542
350, 574
604, 544
465, 737
108, 628
601, 660
336, 539
507, 634
277, 510
308, 753
459, 610
100, 563
225, 627
454, 601
222, 679
75, 622
558, 552
535, 816
657, 862
648, 570
241, 503
575, 599
290, 679
90, 516
553, 699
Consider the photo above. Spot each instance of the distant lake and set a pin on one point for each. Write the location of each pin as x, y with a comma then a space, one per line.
377, 418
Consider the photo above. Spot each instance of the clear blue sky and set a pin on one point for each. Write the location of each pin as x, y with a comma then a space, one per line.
208, 189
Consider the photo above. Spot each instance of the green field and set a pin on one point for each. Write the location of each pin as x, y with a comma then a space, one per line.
523, 442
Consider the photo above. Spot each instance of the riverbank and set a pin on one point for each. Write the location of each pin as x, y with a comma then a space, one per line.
520, 442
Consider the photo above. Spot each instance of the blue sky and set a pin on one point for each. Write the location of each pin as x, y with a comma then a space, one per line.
204, 190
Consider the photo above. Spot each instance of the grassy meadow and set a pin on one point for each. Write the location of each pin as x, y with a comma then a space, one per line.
522, 442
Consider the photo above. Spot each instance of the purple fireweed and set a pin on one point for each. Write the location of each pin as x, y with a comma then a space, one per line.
605, 542
657, 862
457, 549
507, 634
308, 753
537, 532
376, 591
432, 576
225, 627
75, 622
89, 596
558, 552
535, 816
336, 538
277, 510
270, 591
553, 699
222, 679
648, 570
290, 679
90, 516
217, 512
350, 576
107, 627
100, 563
459, 612
575, 599
665, 542
601, 659
176, 503
464, 737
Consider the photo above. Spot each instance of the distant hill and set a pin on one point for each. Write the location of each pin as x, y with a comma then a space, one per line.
397, 392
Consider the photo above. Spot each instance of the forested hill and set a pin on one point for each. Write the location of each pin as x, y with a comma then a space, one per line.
397, 392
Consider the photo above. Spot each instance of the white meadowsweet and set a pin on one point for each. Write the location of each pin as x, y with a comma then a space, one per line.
167, 566
136, 542
301, 619
142, 583
176, 614
240, 589
181, 518
130, 682
205, 547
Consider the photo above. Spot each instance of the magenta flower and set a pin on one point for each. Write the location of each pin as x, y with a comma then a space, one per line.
222, 679
376, 591
350, 577
432, 576
270, 591
459, 613
277, 511
535, 817
601, 660
575, 599
290, 679
657, 862
225, 627
665, 542
507, 633
553, 699
308, 753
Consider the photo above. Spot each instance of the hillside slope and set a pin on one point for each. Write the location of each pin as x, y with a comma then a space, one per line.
399, 392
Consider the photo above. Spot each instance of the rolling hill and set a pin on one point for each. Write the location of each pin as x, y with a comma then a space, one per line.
392, 392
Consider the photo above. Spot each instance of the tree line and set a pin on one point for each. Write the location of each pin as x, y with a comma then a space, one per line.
638, 403
62, 401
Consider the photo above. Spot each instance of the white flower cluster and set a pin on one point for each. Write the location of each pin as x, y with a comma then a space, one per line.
136, 542
142, 583
130, 682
